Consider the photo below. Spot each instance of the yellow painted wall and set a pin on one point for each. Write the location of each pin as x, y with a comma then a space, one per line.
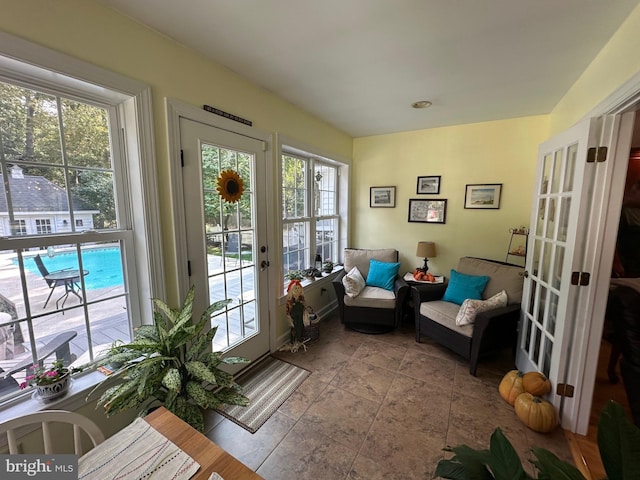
87, 30
613, 66
491, 152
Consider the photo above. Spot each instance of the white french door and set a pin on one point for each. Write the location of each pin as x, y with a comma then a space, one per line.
226, 244
557, 242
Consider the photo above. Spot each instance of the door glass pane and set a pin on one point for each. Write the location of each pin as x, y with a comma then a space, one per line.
527, 337
563, 218
536, 345
557, 267
546, 174
557, 167
542, 303
542, 204
570, 165
548, 351
550, 219
535, 264
552, 313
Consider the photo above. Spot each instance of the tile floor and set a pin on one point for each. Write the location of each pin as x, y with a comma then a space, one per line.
379, 407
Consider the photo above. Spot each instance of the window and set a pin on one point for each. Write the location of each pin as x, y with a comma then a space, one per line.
70, 284
310, 213
43, 226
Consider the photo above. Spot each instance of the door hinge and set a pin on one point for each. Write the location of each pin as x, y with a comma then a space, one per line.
265, 146
597, 154
565, 390
580, 278
189, 267
181, 158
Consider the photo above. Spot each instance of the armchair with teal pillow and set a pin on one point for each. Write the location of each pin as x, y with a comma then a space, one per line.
377, 308
492, 329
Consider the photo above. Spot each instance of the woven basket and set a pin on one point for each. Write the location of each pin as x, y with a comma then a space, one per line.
312, 332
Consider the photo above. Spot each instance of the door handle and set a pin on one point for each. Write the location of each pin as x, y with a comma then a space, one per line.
526, 274
264, 264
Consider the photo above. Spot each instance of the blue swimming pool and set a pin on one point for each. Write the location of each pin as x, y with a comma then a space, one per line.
104, 265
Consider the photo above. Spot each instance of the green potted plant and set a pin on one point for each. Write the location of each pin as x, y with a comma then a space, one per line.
170, 363
618, 442
52, 382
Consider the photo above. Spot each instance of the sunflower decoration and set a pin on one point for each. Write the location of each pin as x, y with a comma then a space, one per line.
230, 186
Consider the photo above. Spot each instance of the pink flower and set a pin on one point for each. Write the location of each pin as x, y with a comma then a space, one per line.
23, 385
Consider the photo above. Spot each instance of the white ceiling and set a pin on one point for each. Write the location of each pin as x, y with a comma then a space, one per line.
359, 64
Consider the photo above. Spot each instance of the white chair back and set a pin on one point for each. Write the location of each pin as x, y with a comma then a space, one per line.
45, 418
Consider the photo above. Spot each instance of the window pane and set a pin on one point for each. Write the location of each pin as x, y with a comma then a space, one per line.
30, 129
294, 187
86, 135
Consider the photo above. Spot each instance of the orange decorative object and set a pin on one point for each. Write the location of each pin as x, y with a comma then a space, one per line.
511, 386
536, 384
536, 413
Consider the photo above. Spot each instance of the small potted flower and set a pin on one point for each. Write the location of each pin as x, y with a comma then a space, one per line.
52, 382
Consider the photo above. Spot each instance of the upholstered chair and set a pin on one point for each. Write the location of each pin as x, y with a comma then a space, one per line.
370, 292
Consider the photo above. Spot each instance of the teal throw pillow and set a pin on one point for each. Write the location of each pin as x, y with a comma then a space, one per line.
462, 286
382, 274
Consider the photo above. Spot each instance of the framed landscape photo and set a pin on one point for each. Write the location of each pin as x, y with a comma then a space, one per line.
382, 197
428, 185
485, 195
427, 211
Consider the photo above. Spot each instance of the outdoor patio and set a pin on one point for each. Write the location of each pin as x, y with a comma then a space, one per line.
106, 315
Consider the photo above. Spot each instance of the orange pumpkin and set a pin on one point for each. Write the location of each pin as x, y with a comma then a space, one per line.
511, 386
536, 413
536, 384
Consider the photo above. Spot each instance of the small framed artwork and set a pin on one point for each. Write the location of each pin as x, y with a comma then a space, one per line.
382, 197
427, 211
428, 185
484, 195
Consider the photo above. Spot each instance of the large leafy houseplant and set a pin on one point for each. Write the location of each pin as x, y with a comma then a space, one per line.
618, 442
170, 363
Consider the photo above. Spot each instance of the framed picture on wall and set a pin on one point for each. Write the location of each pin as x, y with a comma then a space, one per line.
427, 211
486, 196
382, 197
428, 185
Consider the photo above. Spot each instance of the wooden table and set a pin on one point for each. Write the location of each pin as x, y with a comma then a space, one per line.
210, 456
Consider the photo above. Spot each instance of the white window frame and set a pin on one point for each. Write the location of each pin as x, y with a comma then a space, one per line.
288, 146
28, 64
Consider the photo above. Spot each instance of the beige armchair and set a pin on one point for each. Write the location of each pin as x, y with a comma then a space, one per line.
377, 306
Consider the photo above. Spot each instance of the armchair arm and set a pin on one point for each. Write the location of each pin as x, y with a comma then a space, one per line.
427, 293
492, 330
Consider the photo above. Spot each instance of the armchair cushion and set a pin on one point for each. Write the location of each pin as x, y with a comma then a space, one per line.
382, 274
353, 283
471, 308
502, 276
462, 286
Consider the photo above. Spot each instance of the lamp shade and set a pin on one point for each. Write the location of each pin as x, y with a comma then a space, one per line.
426, 250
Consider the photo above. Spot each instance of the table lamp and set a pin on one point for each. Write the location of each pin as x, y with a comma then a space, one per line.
426, 249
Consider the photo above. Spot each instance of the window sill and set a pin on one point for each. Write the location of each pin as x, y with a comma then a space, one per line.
24, 403
313, 284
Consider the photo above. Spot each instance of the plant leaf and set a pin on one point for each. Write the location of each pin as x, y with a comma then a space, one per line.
147, 332
552, 468
504, 461
172, 380
232, 360
201, 372
231, 396
619, 443
198, 394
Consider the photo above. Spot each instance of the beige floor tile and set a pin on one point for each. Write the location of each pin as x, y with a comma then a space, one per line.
435, 370
300, 400
305, 454
411, 451
380, 354
365, 380
342, 416
367, 469
252, 449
